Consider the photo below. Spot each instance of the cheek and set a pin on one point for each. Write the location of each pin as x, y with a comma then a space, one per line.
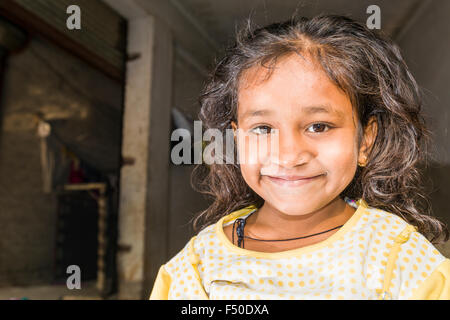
256, 150
339, 157
251, 175
248, 161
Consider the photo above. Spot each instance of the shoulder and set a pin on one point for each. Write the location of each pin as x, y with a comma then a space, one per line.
182, 272
436, 286
377, 228
210, 240
205, 245
417, 260
415, 257
385, 227
395, 249
395, 229
382, 222
192, 252
412, 244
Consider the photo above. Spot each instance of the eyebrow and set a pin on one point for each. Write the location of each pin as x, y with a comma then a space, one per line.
308, 110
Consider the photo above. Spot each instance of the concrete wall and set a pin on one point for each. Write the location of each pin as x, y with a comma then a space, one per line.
167, 229
184, 201
47, 79
426, 48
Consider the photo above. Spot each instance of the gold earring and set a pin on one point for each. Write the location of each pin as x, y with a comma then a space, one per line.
361, 164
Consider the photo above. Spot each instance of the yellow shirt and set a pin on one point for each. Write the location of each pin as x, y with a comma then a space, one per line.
375, 255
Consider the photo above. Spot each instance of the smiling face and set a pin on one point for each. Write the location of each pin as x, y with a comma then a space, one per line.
316, 133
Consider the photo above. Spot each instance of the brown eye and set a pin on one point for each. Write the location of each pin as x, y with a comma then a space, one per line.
262, 130
319, 127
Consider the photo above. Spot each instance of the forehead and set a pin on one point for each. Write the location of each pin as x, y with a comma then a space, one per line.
295, 84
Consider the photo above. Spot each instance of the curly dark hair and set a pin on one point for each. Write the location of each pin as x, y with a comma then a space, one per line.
369, 68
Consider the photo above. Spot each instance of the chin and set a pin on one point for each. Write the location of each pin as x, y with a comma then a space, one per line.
293, 208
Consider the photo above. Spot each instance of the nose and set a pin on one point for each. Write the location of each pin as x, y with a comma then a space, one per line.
293, 150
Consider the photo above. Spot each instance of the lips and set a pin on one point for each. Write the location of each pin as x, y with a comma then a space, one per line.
292, 181
292, 178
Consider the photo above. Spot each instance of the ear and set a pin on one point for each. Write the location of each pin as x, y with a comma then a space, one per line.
234, 126
370, 134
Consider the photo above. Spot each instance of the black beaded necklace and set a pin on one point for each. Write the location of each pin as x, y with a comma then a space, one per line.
240, 232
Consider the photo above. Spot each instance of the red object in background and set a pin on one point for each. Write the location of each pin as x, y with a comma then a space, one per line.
76, 174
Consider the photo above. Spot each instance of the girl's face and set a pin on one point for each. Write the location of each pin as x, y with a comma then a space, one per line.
316, 140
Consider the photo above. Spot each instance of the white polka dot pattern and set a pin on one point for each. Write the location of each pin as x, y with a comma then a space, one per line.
352, 266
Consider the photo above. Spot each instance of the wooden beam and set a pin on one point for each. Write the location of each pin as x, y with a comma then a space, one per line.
36, 26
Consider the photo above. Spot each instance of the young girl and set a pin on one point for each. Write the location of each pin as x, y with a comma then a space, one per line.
347, 112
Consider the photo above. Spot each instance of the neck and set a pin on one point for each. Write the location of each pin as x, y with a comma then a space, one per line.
269, 222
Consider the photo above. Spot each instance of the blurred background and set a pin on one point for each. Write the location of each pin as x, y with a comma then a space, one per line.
86, 117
